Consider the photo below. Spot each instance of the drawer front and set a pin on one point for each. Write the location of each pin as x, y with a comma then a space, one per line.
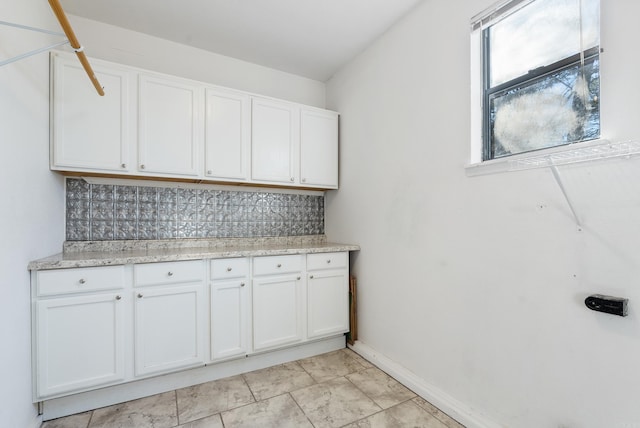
327, 260
277, 264
229, 268
168, 273
65, 281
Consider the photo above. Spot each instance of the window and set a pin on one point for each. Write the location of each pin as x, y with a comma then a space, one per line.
540, 75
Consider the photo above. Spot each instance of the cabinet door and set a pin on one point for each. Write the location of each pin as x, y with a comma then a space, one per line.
170, 126
227, 135
327, 303
90, 132
168, 329
276, 311
229, 318
274, 141
319, 148
79, 343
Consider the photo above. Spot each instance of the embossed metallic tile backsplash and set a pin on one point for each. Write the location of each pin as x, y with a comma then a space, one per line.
98, 212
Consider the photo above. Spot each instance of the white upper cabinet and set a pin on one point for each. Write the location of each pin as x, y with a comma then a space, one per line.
170, 127
227, 135
154, 125
318, 148
89, 131
274, 141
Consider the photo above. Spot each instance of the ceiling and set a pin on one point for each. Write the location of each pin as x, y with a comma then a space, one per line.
310, 38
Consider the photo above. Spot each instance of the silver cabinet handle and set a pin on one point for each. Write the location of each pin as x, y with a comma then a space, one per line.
298, 279
82, 281
169, 273
229, 269
279, 265
304, 180
142, 166
291, 179
311, 276
209, 172
329, 261
118, 297
124, 165
139, 295
242, 284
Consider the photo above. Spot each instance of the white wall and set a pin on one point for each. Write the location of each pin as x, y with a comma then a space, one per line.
32, 207
140, 50
476, 285
31, 211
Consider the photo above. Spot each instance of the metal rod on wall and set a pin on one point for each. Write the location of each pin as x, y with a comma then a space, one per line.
73, 41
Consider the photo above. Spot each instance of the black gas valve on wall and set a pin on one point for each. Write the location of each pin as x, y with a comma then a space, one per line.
607, 304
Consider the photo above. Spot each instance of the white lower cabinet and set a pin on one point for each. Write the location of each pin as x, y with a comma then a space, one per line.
230, 308
277, 301
168, 317
100, 326
78, 330
327, 294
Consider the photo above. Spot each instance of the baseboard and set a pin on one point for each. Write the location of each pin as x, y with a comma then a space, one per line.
449, 405
36, 421
69, 405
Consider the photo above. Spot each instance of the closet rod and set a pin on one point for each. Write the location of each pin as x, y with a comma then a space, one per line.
73, 41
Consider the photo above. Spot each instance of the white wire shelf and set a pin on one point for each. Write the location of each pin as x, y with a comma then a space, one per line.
602, 151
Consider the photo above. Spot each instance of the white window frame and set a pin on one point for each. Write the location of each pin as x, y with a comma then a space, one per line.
476, 165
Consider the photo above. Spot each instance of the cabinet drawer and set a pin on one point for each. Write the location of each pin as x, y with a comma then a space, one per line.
64, 281
168, 273
277, 264
327, 260
229, 268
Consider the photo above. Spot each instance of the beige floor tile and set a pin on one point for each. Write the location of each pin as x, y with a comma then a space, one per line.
405, 415
443, 417
334, 403
276, 412
199, 401
380, 387
209, 422
277, 380
331, 365
157, 411
80, 420
366, 364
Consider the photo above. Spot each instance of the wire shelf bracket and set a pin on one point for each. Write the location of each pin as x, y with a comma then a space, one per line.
35, 51
602, 151
71, 39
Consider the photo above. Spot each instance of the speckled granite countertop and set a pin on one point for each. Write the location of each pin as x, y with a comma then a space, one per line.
105, 253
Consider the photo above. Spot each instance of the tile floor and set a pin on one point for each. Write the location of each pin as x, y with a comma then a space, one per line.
337, 389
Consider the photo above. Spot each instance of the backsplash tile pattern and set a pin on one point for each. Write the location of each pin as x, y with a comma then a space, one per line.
98, 212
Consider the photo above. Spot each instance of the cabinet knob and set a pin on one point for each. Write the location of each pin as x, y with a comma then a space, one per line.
242, 284
139, 295
142, 166
329, 261
169, 273
279, 265
292, 179
298, 279
82, 281
229, 269
118, 297
124, 165
311, 276
304, 180
209, 172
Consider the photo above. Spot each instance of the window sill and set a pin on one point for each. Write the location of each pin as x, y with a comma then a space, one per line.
573, 153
